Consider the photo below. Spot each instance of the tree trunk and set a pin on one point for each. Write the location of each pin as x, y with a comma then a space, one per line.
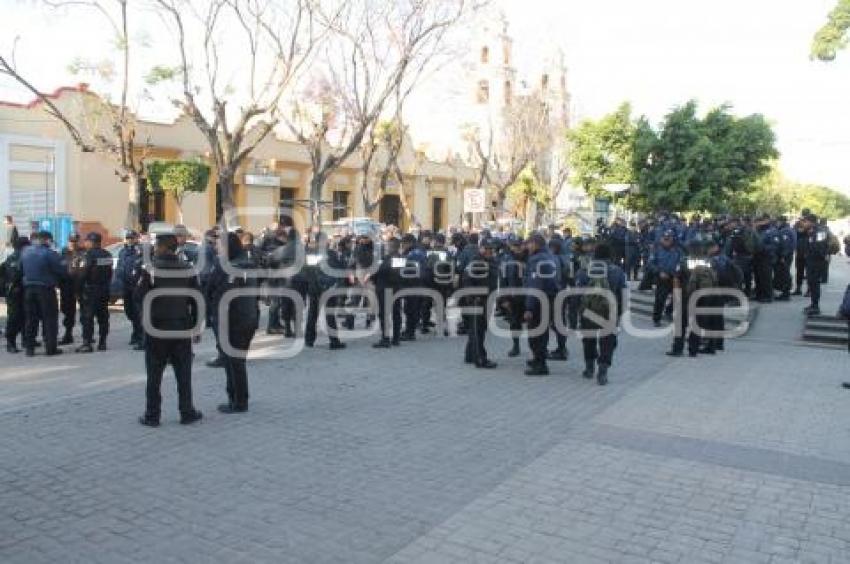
316, 185
133, 197
226, 184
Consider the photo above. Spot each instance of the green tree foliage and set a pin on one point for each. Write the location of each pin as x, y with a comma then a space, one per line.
700, 164
601, 152
833, 36
776, 194
529, 194
178, 178
823, 201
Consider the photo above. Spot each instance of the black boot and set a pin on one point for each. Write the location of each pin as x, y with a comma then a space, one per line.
558, 354
232, 408
287, 330
101, 345
191, 417
537, 369
216, 363
514, 352
602, 375
67, 339
12, 348
85, 348
148, 421
589, 369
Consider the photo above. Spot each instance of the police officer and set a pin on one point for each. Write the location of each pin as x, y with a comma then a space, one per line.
740, 248
129, 269
782, 274
43, 271
272, 252
12, 285
69, 288
634, 242
599, 346
664, 263
387, 282
817, 256
415, 274
541, 274
512, 272
481, 273
558, 321
298, 283
441, 271
617, 238
95, 278
765, 258
169, 313
800, 256
321, 278
242, 317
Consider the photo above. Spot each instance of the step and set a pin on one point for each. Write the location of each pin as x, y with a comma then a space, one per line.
814, 335
838, 325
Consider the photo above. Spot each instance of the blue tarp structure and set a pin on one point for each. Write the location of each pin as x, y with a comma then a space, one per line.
60, 226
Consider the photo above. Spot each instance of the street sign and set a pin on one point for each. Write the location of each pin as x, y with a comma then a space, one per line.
474, 200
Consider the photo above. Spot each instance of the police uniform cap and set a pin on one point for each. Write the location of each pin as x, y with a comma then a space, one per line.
669, 233
94, 237
131, 234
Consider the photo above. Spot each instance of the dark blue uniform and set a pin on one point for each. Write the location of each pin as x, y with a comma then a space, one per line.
43, 270
542, 273
665, 263
129, 270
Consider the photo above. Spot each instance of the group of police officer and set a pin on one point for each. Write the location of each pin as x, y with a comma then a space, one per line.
677, 257
414, 276
33, 273
766, 258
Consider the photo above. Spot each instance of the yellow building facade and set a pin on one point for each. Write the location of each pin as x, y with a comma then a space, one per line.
43, 172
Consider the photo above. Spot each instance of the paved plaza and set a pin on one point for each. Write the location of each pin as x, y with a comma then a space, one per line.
409, 455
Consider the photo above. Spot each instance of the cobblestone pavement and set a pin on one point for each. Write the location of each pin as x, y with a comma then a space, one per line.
410, 456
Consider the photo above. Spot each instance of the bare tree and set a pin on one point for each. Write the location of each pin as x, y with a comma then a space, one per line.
267, 43
377, 49
101, 126
385, 140
524, 135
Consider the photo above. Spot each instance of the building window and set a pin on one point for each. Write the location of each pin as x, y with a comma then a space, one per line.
544, 82
506, 52
483, 92
508, 93
485, 55
340, 205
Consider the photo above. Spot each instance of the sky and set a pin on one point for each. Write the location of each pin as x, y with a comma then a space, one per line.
752, 54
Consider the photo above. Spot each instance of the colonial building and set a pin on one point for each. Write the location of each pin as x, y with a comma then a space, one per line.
43, 172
